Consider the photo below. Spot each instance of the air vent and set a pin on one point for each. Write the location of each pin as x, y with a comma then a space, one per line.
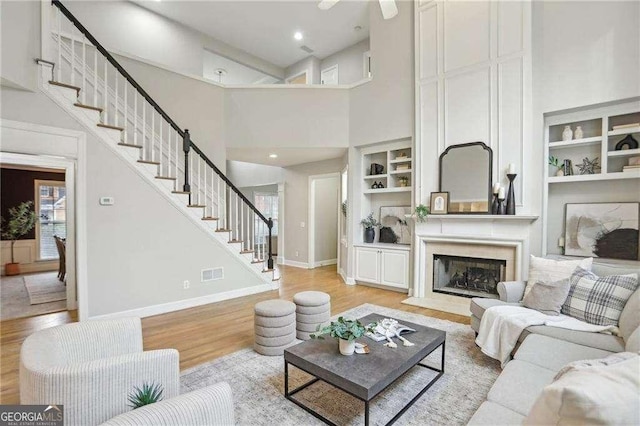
212, 274
306, 49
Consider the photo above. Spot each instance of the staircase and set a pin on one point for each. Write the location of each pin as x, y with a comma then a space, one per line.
84, 79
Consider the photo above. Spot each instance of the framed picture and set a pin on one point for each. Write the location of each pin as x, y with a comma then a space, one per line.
439, 203
394, 225
607, 230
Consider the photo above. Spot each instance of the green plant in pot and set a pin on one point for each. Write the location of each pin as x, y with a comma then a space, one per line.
149, 393
22, 219
346, 331
421, 213
370, 223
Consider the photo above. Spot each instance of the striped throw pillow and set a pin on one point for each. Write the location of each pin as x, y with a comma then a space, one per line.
598, 300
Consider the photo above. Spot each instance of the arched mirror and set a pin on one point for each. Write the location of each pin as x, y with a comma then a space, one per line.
466, 174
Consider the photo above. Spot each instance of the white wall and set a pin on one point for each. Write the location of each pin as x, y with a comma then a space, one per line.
310, 65
325, 223
129, 28
249, 174
383, 109
20, 35
350, 62
124, 272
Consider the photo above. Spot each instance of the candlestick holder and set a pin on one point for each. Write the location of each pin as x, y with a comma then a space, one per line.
494, 204
501, 206
511, 197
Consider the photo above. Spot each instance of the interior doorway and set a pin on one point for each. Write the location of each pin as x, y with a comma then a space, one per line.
329, 75
324, 207
46, 279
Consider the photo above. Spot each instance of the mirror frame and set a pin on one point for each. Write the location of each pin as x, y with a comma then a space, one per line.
490, 171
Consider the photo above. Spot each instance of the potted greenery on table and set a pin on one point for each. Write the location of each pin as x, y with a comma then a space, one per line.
346, 331
22, 219
369, 223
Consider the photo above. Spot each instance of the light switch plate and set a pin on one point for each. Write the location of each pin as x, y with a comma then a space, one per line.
106, 201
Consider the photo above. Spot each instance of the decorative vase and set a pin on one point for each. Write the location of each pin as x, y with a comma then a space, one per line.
494, 205
567, 133
347, 347
501, 207
511, 196
11, 269
369, 235
578, 134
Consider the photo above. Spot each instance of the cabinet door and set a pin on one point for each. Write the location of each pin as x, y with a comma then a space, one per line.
394, 268
367, 265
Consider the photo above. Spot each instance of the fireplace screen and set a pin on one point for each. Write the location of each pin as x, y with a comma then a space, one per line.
467, 276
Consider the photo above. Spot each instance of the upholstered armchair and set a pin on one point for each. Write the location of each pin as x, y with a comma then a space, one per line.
91, 367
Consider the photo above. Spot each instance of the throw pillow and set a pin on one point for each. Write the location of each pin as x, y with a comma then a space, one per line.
598, 300
594, 395
550, 270
547, 297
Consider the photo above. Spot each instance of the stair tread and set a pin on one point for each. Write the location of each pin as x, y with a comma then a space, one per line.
155, 163
210, 218
129, 145
223, 230
257, 261
165, 177
68, 86
79, 105
235, 241
181, 192
109, 126
246, 251
196, 205
268, 270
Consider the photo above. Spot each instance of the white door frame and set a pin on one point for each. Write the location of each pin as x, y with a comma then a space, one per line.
311, 215
41, 146
329, 69
342, 219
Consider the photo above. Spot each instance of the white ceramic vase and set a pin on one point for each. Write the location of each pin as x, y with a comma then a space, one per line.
567, 133
578, 134
347, 347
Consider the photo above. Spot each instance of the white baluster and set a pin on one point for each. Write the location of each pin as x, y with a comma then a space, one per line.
237, 223
144, 128
126, 108
153, 134
104, 94
191, 171
73, 57
161, 122
218, 205
135, 118
177, 144
206, 202
84, 70
95, 77
59, 24
116, 100
199, 181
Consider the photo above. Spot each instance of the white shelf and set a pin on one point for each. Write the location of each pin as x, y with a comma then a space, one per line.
387, 190
452, 216
400, 160
404, 247
401, 172
624, 131
576, 142
598, 176
384, 176
624, 153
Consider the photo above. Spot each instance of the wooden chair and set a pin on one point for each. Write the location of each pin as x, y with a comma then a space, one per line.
61, 246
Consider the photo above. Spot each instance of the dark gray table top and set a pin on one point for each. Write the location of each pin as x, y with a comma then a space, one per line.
364, 375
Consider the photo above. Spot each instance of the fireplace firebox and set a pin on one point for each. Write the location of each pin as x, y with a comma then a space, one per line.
467, 276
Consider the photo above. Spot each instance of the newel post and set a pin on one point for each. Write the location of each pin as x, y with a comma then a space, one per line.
186, 146
270, 260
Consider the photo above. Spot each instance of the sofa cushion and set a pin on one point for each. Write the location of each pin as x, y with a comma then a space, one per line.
632, 344
591, 395
598, 300
480, 304
630, 316
519, 385
606, 342
550, 270
491, 413
554, 354
547, 297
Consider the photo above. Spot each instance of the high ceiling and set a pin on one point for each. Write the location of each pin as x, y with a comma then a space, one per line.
286, 157
266, 28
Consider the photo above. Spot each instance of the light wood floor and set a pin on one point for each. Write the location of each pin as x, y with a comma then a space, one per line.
210, 331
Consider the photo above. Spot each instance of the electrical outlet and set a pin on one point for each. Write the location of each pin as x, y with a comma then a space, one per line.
186, 284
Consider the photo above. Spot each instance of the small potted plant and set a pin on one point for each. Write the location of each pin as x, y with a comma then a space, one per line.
369, 223
555, 162
22, 219
150, 393
346, 331
421, 213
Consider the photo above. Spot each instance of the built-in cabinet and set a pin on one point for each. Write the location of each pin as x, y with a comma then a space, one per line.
384, 265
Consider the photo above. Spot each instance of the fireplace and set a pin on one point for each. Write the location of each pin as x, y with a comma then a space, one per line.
467, 276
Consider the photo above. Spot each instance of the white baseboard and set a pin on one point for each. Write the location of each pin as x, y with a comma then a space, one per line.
295, 264
347, 280
325, 263
149, 311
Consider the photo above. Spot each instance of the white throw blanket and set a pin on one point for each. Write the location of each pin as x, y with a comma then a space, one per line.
501, 327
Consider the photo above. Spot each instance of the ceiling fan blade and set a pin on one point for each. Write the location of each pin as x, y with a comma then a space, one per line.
389, 8
327, 4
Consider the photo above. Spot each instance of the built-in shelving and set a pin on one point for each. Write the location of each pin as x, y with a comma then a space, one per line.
374, 177
624, 153
400, 160
388, 190
626, 131
596, 140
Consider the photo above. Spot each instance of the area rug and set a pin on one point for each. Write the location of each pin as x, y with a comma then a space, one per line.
45, 288
258, 384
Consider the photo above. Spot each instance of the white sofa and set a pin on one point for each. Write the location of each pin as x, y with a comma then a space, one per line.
544, 351
92, 367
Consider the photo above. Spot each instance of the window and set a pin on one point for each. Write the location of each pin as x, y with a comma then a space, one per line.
267, 204
51, 207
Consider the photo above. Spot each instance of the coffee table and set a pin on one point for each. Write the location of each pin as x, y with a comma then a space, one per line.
363, 376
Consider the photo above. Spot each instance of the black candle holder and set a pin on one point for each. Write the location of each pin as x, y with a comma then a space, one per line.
494, 204
511, 197
501, 206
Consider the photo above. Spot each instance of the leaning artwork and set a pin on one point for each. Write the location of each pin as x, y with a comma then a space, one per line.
608, 230
393, 221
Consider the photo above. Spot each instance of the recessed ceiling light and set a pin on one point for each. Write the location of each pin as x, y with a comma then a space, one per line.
298, 35
273, 155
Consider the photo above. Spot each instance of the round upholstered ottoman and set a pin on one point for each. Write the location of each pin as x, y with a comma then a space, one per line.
313, 308
274, 326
